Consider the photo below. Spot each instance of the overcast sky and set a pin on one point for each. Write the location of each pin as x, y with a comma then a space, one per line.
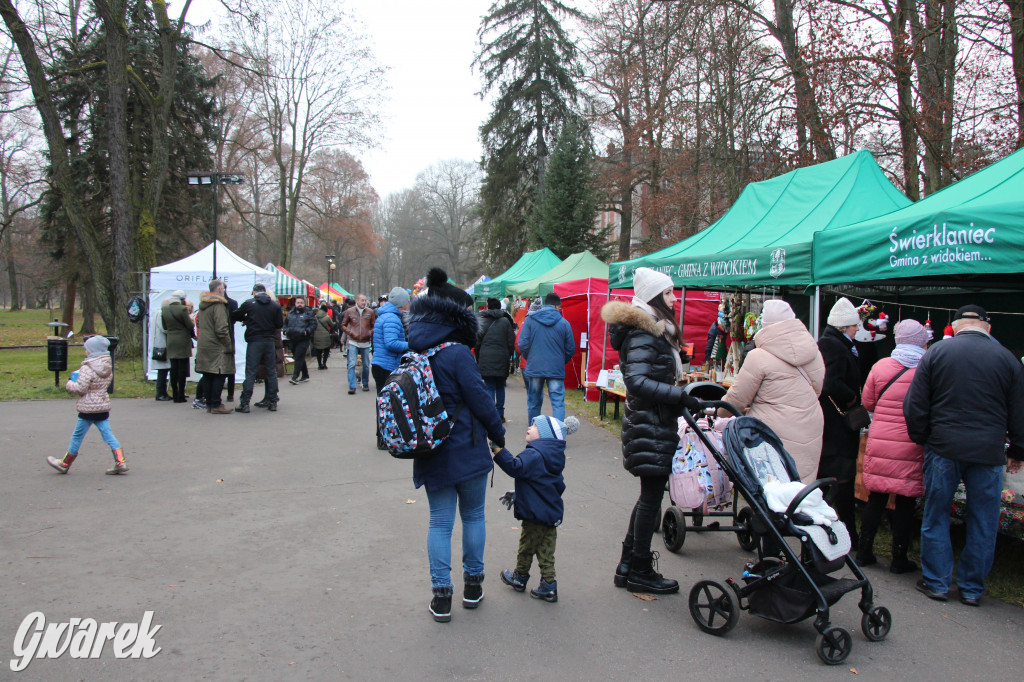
433, 112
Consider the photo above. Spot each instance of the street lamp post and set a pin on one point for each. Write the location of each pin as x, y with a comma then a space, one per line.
330, 267
213, 179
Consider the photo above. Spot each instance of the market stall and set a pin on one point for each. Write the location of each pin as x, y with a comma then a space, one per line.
288, 286
192, 275
578, 266
530, 265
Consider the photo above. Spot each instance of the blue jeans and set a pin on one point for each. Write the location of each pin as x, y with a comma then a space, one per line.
496, 387
82, 427
983, 483
470, 496
353, 353
535, 397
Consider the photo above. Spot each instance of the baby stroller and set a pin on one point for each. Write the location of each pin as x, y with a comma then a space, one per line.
784, 585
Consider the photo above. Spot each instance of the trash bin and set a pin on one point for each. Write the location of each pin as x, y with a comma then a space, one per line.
113, 350
57, 358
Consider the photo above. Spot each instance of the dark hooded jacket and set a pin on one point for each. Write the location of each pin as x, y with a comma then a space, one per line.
547, 344
261, 315
654, 402
464, 455
497, 341
539, 482
842, 384
299, 325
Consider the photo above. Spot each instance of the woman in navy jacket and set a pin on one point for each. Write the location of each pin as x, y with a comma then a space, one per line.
455, 473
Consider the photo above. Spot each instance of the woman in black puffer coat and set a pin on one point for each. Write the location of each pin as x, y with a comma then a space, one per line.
648, 342
839, 444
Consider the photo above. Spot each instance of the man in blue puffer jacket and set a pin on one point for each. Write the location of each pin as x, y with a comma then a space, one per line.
547, 344
388, 341
455, 474
538, 500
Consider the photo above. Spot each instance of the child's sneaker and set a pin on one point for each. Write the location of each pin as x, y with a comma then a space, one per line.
441, 604
514, 579
548, 591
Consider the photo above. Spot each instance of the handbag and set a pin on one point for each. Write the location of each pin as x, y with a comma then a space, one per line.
159, 354
855, 418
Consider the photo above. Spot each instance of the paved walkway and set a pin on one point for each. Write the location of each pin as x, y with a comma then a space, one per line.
285, 546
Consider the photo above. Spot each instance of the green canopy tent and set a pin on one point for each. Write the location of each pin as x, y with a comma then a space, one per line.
969, 235
764, 239
532, 264
342, 290
581, 265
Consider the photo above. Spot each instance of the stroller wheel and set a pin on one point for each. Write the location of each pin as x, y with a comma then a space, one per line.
714, 607
673, 529
746, 537
876, 623
834, 645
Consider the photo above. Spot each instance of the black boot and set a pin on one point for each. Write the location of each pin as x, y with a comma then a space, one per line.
643, 577
622, 570
900, 562
441, 604
865, 550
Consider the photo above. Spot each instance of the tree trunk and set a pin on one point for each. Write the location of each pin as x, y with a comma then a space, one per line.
905, 112
88, 310
935, 71
12, 271
61, 177
68, 312
1017, 50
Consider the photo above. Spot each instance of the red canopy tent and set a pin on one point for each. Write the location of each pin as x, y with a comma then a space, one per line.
581, 306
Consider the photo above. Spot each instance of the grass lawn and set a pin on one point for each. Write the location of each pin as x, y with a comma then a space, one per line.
23, 376
27, 327
1003, 583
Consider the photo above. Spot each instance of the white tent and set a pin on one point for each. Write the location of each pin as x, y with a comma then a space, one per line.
192, 275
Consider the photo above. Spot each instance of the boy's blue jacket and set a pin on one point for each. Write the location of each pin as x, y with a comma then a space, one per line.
539, 482
389, 342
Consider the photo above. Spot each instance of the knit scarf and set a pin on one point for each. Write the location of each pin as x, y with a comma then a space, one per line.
907, 354
671, 335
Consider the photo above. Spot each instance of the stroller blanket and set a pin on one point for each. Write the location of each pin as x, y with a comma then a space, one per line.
779, 495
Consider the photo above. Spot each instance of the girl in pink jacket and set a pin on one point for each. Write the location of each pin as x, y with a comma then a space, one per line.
93, 405
893, 464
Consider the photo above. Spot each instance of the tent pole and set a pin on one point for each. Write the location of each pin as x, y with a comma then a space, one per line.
145, 327
816, 312
604, 333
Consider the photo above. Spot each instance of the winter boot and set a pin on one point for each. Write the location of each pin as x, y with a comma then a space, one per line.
514, 579
622, 570
900, 562
865, 551
472, 591
644, 578
548, 591
119, 466
441, 604
61, 465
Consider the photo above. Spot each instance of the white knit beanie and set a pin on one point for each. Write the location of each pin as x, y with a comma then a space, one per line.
776, 310
648, 283
843, 314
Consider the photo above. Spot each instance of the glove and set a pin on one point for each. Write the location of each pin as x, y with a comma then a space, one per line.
690, 403
508, 499
499, 441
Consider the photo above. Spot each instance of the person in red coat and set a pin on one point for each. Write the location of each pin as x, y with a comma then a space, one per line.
893, 464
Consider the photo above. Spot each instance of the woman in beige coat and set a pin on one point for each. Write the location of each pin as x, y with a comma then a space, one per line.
780, 382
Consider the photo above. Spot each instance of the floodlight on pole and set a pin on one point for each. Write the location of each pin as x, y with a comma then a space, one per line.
213, 179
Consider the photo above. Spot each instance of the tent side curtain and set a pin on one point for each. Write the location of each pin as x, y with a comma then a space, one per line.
970, 228
286, 284
530, 265
765, 238
581, 265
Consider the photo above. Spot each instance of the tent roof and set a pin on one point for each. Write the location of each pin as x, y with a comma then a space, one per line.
973, 227
577, 266
342, 290
765, 238
530, 265
285, 283
195, 271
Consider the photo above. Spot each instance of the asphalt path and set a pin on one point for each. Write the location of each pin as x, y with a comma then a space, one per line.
285, 546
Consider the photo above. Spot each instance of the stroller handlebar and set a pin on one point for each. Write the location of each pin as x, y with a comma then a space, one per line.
691, 421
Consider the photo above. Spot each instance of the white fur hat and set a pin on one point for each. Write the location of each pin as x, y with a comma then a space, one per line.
843, 314
776, 310
648, 283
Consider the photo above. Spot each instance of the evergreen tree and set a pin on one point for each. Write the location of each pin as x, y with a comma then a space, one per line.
563, 218
532, 65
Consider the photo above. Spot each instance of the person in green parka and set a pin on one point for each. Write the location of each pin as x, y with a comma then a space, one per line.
215, 351
322, 340
180, 332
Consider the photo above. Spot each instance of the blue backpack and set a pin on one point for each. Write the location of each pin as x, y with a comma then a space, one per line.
410, 413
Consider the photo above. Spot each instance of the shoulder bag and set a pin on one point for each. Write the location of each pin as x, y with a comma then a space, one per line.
855, 418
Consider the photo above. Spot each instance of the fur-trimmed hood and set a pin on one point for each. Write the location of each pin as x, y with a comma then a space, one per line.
208, 298
432, 320
622, 317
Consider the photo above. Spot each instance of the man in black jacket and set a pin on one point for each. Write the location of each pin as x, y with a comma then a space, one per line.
496, 342
262, 317
299, 327
966, 400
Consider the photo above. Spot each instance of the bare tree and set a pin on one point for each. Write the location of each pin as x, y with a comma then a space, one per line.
449, 195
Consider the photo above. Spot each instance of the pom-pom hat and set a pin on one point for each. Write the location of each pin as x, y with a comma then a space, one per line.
550, 427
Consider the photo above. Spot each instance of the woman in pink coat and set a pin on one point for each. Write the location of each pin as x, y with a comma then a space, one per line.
893, 464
